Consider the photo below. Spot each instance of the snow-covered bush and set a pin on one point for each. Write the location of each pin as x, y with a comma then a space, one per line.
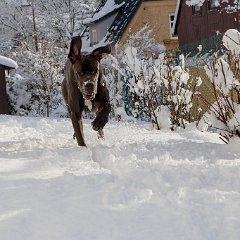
156, 81
163, 118
35, 89
143, 93
179, 89
224, 74
137, 76
151, 79
19, 96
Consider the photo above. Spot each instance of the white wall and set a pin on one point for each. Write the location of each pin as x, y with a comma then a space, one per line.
101, 28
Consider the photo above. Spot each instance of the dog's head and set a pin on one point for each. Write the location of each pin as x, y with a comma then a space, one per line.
86, 67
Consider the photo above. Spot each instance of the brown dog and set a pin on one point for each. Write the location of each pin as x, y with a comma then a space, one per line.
84, 88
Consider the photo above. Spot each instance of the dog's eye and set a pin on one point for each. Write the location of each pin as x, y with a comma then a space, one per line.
93, 72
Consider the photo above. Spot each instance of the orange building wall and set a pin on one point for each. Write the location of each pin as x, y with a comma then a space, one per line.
156, 15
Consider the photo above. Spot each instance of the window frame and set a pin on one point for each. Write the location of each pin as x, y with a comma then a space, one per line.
94, 36
171, 24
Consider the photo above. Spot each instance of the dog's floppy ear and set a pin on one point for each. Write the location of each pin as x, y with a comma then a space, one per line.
98, 53
75, 49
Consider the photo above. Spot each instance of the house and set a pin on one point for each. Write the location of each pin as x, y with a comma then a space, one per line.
114, 21
6, 64
204, 25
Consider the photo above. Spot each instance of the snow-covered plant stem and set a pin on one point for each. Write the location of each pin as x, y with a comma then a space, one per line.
223, 72
178, 90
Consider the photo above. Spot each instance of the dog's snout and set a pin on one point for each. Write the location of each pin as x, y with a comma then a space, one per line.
89, 90
89, 85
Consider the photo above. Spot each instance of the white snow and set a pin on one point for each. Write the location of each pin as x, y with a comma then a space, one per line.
8, 62
18, 2
195, 2
231, 40
131, 58
222, 75
109, 7
138, 184
163, 117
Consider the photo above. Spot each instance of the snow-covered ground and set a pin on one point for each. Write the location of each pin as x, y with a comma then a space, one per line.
139, 184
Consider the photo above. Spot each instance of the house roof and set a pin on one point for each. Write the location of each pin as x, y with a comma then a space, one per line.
125, 11
8, 62
105, 8
124, 16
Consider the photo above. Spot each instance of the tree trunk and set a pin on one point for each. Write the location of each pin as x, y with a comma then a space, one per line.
34, 28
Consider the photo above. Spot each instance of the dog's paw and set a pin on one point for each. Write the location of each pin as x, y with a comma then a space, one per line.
95, 126
99, 124
100, 134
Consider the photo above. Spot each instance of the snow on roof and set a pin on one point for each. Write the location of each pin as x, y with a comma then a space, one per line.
109, 7
86, 48
8, 62
231, 40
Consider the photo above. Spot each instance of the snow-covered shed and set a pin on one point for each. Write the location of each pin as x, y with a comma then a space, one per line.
6, 64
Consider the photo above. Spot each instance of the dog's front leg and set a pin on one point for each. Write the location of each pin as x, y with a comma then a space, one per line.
78, 128
101, 116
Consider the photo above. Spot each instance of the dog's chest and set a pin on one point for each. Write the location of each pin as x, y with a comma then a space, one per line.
88, 105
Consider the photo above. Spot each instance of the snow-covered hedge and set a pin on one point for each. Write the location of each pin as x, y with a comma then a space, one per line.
155, 88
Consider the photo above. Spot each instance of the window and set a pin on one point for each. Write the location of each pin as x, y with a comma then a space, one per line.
212, 5
196, 10
171, 25
94, 36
